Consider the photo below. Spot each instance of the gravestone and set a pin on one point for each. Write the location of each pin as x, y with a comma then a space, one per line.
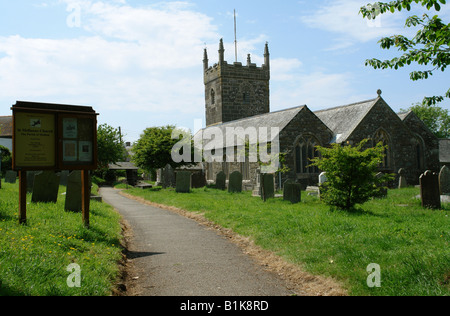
132, 177
429, 190
221, 181
267, 186
73, 193
382, 187
444, 181
45, 188
198, 180
64, 177
292, 192
183, 182
235, 182
402, 179
168, 177
30, 180
322, 179
10, 177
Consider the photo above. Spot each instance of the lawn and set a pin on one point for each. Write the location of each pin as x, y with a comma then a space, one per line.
34, 257
409, 243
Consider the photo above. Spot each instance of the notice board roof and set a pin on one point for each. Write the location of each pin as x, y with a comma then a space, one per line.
25, 105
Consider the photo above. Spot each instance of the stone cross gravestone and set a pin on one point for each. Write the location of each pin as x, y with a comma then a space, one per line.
45, 188
235, 182
267, 187
292, 192
402, 179
73, 193
10, 177
183, 182
444, 180
221, 181
429, 190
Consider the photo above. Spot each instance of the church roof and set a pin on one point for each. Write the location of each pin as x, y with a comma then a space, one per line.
343, 120
279, 119
404, 115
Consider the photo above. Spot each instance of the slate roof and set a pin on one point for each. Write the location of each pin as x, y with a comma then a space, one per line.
444, 151
6, 126
343, 120
404, 115
274, 119
122, 165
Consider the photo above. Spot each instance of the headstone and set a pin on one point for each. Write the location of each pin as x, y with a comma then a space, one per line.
45, 188
64, 177
292, 192
322, 179
10, 177
402, 179
183, 179
168, 177
444, 181
221, 181
382, 187
73, 192
198, 180
267, 187
235, 182
132, 177
429, 190
30, 180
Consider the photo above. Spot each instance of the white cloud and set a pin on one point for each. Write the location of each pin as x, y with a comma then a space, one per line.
341, 17
137, 58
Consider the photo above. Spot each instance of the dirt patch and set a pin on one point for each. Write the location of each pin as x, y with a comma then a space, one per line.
300, 282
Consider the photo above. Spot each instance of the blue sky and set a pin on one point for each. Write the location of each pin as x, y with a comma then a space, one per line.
139, 63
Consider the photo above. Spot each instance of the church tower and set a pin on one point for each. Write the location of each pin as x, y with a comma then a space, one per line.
234, 91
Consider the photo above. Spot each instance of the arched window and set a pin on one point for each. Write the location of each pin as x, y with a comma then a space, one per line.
419, 153
383, 137
305, 151
213, 97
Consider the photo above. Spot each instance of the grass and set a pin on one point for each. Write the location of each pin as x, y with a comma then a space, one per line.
409, 243
34, 257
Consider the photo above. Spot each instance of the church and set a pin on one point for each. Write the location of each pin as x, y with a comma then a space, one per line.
237, 95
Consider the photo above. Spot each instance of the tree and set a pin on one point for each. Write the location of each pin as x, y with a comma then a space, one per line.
351, 173
5, 159
434, 117
111, 148
154, 148
430, 46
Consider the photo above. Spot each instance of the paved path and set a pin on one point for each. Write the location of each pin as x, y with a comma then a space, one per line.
175, 256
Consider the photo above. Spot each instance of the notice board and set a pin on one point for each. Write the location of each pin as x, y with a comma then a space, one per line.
54, 137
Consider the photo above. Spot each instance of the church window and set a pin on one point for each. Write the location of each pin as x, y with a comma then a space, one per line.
213, 97
383, 137
418, 147
246, 97
305, 151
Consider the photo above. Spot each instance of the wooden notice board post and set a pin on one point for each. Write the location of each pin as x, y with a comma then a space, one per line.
54, 137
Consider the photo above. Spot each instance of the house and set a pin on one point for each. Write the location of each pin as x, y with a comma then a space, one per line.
6, 129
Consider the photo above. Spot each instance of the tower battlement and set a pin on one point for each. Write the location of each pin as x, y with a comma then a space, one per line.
235, 91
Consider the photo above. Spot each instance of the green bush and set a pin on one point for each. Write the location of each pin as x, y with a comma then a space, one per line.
351, 173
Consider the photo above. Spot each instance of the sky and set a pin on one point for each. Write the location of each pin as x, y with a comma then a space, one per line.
138, 63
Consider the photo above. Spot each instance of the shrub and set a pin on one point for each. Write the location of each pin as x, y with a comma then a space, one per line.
351, 173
